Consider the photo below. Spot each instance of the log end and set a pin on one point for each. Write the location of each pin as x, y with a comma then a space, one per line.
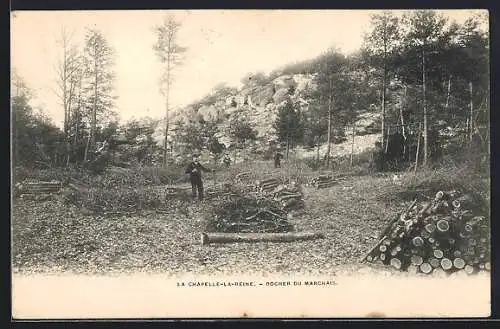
204, 239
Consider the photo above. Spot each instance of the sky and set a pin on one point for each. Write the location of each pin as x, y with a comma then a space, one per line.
223, 46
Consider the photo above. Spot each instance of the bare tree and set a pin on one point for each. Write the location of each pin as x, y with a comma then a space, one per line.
68, 71
169, 54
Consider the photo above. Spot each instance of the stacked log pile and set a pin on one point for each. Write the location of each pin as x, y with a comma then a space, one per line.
325, 181
289, 196
267, 186
224, 192
36, 188
242, 176
448, 234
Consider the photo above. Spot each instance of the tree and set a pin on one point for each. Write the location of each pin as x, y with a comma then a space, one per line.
35, 139
241, 129
331, 68
68, 71
289, 125
425, 30
98, 84
381, 44
471, 68
169, 54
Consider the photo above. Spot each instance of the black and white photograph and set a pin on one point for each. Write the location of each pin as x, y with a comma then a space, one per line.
250, 164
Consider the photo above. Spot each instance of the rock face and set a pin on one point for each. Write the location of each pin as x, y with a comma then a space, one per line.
260, 102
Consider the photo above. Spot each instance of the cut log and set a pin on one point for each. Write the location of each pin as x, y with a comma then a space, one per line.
459, 263
373, 248
438, 253
290, 196
325, 184
418, 241
426, 268
209, 237
439, 272
469, 269
446, 264
269, 181
425, 234
396, 263
434, 262
430, 227
412, 269
443, 225
270, 184
416, 260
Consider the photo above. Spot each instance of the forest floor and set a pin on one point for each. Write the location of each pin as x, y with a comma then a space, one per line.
49, 236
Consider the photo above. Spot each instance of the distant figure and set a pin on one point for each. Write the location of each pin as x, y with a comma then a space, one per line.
277, 159
227, 160
194, 170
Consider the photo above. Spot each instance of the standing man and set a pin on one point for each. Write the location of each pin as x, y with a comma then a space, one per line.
277, 159
194, 170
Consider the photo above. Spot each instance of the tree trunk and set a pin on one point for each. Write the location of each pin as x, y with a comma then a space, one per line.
317, 151
329, 136
287, 147
209, 237
94, 111
352, 144
403, 130
425, 110
383, 100
448, 94
169, 50
387, 139
471, 112
85, 157
418, 147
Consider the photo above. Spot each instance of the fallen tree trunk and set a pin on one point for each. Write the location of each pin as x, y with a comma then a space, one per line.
209, 237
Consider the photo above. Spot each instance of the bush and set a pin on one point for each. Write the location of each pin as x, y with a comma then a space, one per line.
111, 177
124, 199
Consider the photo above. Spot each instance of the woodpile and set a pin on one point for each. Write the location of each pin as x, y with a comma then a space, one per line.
325, 181
447, 234
268, 185
248, 215
289, 196
243, 176
37, 187
224, 192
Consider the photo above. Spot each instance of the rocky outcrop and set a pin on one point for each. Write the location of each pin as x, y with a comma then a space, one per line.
260, 102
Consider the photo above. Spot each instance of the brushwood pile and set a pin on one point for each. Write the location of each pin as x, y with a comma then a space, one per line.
264, 207
447, 234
